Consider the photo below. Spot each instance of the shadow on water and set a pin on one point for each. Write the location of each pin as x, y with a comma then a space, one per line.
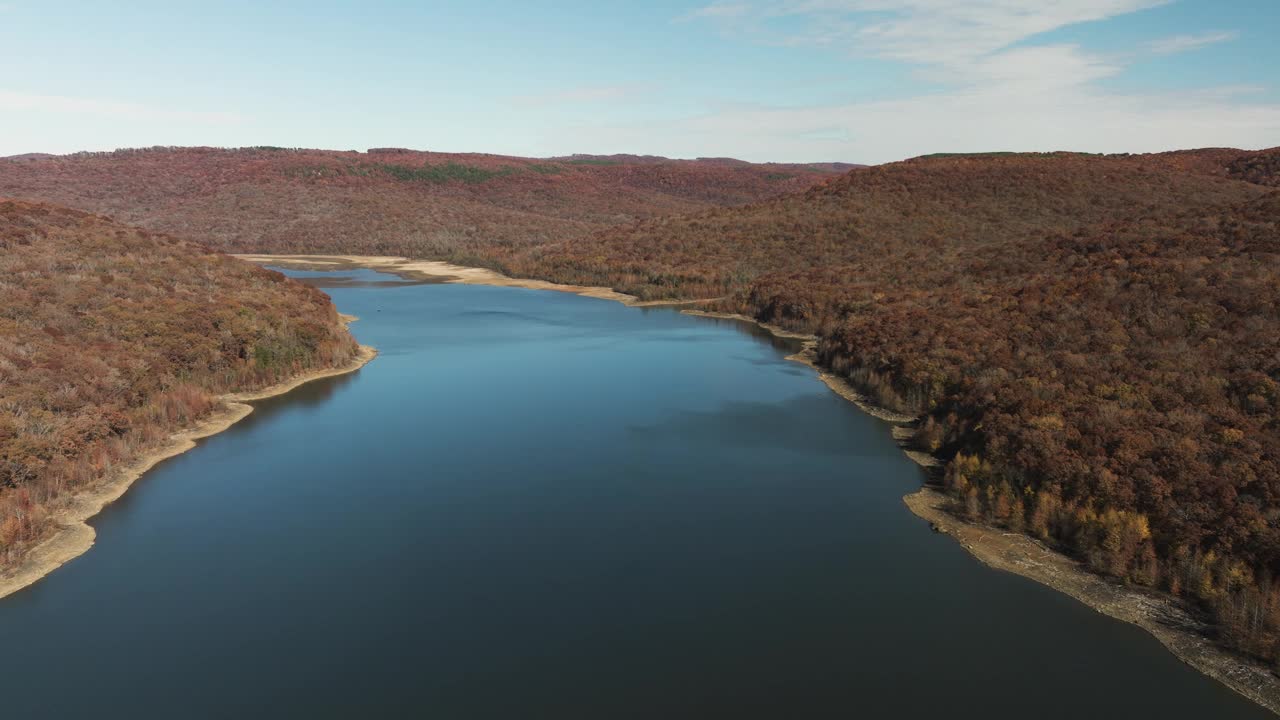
745, 327
501, 315
312, 395
309, 395
756, 425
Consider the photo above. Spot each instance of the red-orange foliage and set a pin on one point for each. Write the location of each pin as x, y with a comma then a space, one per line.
112, 337
387, 201
887, 224
1094, 341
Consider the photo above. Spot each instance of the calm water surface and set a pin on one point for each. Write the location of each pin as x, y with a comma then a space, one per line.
537, 505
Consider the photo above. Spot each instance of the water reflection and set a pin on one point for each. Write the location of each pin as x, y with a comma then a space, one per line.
755, 425
310, 395
355, 278
602, 513
753, 330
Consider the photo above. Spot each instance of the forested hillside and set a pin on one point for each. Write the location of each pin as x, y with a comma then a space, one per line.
1094, 342
387, 200
112, 337
892, 221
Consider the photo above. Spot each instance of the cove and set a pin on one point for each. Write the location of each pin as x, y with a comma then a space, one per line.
534, 504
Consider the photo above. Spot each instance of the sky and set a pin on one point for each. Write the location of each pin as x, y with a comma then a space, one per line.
865, 81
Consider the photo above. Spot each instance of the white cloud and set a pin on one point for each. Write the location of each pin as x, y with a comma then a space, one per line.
971, 42
1049, 66
18, 102
1183, 43
1001, 90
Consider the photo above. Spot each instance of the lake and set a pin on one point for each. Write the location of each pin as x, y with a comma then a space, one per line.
539, 505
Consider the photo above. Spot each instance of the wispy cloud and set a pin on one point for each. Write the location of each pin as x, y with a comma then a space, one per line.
1020, 116
1183, 43
1035, 67
18, 102
928, 32
718, 10
582, 95
994, 85
977, 43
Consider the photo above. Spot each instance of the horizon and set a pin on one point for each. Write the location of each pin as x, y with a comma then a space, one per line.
570, 156
786, 81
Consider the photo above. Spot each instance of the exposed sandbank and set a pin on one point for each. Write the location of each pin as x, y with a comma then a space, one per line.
74, 536
1161, 615
447, 272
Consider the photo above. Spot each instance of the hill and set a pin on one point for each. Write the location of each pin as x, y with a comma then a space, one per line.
897, 220
1093, 342
113, 337
388, 200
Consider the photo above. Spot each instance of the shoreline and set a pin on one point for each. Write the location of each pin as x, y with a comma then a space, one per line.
1177, 629
1184, 636
808, 355
1160, 615
441, 271
74, 536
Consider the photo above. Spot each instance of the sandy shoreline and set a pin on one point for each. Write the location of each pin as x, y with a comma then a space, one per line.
1156, 613
74, 536
446, 272
1165, 618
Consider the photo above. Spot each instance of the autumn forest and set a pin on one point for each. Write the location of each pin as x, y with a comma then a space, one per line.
1091, 343
113, 337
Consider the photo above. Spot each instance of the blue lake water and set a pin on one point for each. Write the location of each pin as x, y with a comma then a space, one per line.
538, 505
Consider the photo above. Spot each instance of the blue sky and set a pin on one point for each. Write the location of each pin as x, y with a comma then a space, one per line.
785, 80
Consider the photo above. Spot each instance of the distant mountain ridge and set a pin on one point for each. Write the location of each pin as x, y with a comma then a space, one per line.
27, 156
653, 159
388, 200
